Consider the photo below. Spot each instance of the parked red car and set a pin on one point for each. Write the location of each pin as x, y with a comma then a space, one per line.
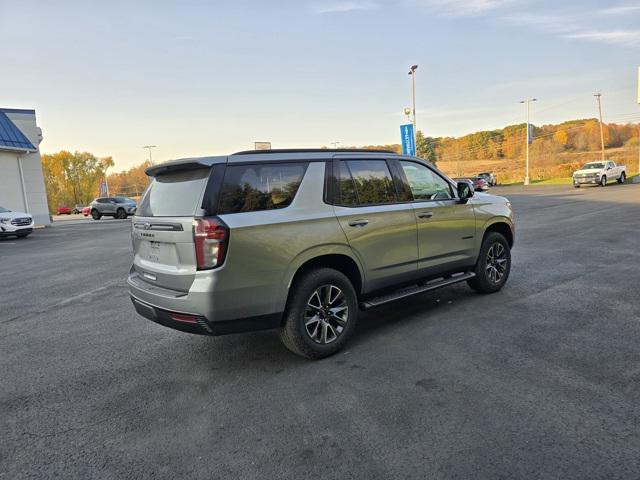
62, 210
85, 211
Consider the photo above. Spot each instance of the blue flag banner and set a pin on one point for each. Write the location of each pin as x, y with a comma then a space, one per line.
408, 141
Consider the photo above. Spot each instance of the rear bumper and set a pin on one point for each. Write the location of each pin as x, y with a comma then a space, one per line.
200, 325
215, 311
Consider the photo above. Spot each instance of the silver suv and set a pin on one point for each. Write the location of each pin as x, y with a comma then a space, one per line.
301, 240
116, 207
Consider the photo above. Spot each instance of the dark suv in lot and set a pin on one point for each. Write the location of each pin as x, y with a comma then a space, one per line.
301, 240
116, 207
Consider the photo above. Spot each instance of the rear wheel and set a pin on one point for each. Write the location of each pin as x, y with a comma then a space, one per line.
603, 181
622, 178
321, 314
121, 214
493, 265
96, 215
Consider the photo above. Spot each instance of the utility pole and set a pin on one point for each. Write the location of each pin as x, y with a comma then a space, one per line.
412, 73
638, 175
526, 141
149, 147
598, 95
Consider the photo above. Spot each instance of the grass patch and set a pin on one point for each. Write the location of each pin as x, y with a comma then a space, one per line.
554, 181
546, 181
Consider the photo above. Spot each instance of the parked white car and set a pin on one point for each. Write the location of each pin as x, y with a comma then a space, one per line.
599, 173
19, 224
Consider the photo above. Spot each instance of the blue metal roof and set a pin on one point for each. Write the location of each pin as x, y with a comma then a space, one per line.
11, 136
17, 110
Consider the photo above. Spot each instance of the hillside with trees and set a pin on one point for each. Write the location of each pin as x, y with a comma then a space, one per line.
556, 150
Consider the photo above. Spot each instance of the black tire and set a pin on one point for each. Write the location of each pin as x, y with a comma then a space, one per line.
96, 215
576, 186
121, 214
294, 332
603, 181
484, 282
22, 235
623, 178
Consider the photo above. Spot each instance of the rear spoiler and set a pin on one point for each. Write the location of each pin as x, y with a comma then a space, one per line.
183, 164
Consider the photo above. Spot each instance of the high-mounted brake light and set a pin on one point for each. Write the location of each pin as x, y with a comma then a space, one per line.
210, 236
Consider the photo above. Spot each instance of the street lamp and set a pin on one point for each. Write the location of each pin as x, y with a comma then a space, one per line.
526, 173
149, 147
412, 73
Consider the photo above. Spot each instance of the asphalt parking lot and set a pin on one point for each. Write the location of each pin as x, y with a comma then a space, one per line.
541, 380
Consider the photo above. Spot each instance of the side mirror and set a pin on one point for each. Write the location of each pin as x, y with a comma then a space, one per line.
465, 191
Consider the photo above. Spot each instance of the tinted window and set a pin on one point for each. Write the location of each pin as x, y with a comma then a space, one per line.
346, 191
371, 179
174, 194
250, 188
425, 184
124, 200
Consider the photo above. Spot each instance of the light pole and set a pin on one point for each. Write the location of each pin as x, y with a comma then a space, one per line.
526, 142
598, 95
412, 73
106, 182
149, 147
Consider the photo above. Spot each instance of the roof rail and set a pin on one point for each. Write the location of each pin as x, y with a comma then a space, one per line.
313, 150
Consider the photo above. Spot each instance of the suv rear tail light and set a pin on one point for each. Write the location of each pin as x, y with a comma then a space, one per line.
211, 237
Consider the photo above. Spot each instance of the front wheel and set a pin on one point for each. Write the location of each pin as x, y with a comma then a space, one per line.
321, 314
622, 178
493, 264
603, 181
22, 235
121, 214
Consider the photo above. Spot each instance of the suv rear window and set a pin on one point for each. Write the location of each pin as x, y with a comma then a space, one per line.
174, 194
251, 188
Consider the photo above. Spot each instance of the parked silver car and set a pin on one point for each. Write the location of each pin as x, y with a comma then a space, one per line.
116, 207
301, 240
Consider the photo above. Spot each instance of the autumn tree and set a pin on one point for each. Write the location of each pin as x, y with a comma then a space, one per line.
131, 182
73, 178
426, 147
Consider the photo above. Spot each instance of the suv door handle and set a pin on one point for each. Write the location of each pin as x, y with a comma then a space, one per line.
358, 223
425, 215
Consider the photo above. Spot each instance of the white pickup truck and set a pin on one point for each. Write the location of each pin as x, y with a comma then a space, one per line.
599, 173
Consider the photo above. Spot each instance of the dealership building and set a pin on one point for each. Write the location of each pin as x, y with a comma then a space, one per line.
21, 180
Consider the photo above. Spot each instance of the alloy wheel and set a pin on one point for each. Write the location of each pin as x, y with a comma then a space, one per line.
326, 314
496, 262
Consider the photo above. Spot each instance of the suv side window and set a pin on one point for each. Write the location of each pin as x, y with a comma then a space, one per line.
268, 186
365, 182
425, 184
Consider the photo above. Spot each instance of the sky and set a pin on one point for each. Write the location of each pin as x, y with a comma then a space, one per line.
211, 77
